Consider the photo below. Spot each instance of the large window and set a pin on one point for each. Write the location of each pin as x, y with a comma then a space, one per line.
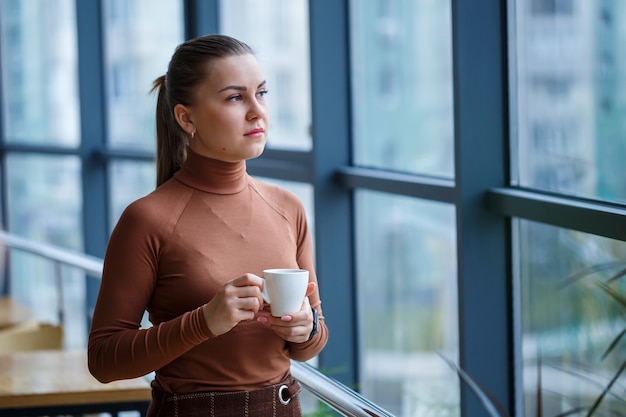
402, 86
140, 37
571, 98
48, 165
569, 289
42, 192
569, 108
408, 303
39, 63
401, 89
460, 163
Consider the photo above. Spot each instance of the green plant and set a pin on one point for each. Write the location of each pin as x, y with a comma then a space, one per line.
608, 286
602, 277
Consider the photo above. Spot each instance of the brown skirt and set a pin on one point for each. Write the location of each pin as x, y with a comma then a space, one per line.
280, 400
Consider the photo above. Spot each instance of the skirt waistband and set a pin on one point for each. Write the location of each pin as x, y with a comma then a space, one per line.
279, 400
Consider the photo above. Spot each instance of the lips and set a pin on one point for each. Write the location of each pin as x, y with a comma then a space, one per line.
257, 131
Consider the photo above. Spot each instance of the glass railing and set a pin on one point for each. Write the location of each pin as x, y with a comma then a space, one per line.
334, 395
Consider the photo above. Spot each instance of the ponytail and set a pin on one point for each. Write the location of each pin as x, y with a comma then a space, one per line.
170, 149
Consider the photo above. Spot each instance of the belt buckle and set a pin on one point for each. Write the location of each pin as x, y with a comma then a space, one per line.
282, 400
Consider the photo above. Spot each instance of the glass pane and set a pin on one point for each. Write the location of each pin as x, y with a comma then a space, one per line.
44, 198
407, 293
402, 85
569, 291
569, 97
39, 72
129, 180
44, 205
141, 36
278, 31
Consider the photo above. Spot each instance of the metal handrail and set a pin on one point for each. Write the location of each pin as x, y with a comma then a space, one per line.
334, 393
90, 264
330, 391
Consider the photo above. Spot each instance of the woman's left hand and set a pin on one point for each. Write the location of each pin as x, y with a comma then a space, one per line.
295, 327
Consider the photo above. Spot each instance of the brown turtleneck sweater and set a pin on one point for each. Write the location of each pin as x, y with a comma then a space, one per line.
170, 253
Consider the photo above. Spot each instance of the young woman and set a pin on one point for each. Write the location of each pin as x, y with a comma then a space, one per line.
191, 253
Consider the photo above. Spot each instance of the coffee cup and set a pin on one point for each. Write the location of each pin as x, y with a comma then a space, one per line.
284, 290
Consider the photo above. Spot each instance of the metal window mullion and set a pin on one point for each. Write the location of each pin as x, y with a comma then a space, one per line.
93, 132
483, 244
595, 217
201, 17
333, 203
430, 188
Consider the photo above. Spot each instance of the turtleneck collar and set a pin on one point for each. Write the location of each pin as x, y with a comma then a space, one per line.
211, 175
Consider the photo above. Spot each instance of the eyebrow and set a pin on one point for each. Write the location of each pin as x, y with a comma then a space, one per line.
241, 88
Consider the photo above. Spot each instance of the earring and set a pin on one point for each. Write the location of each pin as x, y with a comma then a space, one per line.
193, 133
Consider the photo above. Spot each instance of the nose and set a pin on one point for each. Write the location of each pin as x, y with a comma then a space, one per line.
256, 110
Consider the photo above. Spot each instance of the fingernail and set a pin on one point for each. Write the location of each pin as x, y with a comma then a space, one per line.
262, 319
286, 318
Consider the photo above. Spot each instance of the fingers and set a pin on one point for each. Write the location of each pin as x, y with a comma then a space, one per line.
295, 327
306, 306
238, 300
310, 289
247, 280
244, 293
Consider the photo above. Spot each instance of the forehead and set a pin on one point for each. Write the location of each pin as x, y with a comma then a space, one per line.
237, 70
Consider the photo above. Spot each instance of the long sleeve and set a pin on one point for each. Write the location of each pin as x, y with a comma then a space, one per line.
118, 348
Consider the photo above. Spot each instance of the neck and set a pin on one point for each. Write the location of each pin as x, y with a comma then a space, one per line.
212, 175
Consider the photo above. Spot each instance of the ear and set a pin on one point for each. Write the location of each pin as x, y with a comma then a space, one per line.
183, 118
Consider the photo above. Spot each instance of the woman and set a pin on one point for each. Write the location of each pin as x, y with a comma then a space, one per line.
191, 253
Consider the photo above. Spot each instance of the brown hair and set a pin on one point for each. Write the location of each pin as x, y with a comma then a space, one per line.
186, 70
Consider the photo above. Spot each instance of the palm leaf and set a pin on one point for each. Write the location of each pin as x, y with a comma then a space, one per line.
493, 407
613, 344
598, 400
617, 276
594, 270
612, 292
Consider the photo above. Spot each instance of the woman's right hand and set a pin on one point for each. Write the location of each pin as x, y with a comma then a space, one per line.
238, 300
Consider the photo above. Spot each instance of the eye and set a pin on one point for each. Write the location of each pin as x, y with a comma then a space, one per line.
262, 93
235, 97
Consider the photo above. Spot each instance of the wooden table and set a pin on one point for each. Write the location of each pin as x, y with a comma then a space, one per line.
58, 382
13, 313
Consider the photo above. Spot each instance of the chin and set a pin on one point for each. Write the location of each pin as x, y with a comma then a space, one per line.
258, 151
257, 154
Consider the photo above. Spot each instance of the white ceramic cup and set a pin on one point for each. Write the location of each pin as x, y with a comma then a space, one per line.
284, 290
